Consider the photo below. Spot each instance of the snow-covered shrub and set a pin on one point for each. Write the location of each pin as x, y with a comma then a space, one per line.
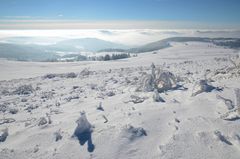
64, 75
158, 79
3, 135
136, 99
147, 84
47, 95
83, 125
237, 92
36, 148
23, 100
13, 110
230, 71
75, 87
6, 121
24, 90
31, 107
5, 92
221, 137
227, 102
135, 132
156, 97
165, 81
58, 135
93, 86
85, 72
3, 107
49, 118
99, 107
203, 86
71, 75
42, 121
83, 132
105, 118
49, 76
72, 97
110, 93
235, 60
57, 104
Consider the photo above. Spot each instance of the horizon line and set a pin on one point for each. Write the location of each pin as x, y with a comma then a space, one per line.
44, 24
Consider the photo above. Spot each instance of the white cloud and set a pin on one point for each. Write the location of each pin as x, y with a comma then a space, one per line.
124, 24
124, 36
17, 17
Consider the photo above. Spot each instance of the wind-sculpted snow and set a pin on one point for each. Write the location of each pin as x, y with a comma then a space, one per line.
150, 106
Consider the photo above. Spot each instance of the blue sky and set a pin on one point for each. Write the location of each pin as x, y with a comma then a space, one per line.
218, 12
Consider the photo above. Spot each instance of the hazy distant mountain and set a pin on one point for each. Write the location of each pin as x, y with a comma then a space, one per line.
20, 48
227, 42
112, 50
74, 47
31, 40
25, 52
89, 44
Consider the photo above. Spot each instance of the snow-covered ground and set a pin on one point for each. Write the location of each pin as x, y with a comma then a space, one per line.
99, 111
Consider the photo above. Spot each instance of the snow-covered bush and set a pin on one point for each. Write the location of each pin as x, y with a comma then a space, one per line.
13, 110
23, 100
135, 132
42, 121
136, 99
237, 92
72, 97
3, 107
49, 118
85, 72
159, 80
58, 135
3, 135
110, 93
230, 71
227, 102
165, 81
47, 95
24, 90
71, 75
235, 60
221, 137
49, 76
63, 75
83, 132
156, 96
147, 84
6, 121
31, 107
99, 107
203, 86
83, 125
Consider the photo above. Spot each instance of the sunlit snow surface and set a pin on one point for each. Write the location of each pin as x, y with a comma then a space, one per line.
185, 126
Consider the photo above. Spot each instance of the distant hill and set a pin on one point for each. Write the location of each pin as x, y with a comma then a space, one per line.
161, 44
112, 50
16, 48
73, 47
31, 40
25, 52
89, 44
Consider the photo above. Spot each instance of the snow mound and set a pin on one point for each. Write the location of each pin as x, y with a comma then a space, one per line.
24, 90
3, 135
133, 133
203, 86
63, 75
83, 132
160, 80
